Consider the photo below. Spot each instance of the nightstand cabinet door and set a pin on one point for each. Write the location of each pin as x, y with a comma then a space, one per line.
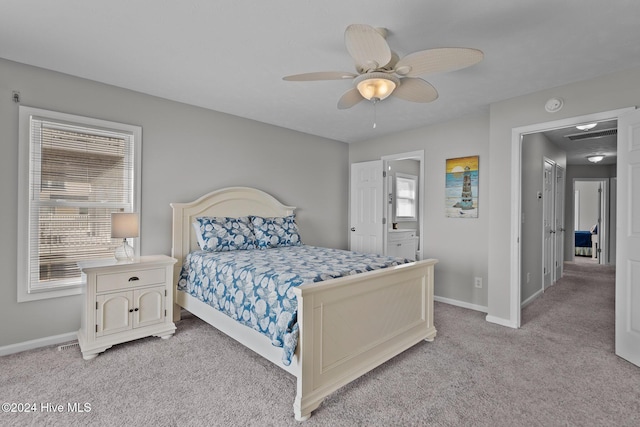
113, 314
149, 306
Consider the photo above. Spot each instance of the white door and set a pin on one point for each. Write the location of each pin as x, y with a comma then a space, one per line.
628, 239
366, 207
559, 220
548, 242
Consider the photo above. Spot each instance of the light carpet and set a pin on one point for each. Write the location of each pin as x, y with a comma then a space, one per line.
559, 369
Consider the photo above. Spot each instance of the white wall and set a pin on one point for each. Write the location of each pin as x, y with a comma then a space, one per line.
611, 92
589, 209
187, 151
459, 243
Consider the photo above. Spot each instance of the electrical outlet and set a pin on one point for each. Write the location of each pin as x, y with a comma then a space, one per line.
478, 282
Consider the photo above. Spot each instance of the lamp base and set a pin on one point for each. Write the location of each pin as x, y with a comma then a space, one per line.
124, 252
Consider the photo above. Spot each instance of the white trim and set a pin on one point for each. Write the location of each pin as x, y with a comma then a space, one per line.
500, 321
531, 299
462, 304
38, 343
516, 205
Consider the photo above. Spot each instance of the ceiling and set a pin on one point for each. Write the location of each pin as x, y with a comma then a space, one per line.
230, 56
580, 144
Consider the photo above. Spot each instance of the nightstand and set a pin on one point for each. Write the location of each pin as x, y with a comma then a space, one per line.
125, 301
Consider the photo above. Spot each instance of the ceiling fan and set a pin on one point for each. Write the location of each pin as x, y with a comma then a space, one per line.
380, 72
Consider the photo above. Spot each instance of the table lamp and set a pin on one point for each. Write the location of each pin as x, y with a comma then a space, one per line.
124, 225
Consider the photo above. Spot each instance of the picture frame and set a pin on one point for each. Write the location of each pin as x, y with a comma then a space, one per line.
461, 187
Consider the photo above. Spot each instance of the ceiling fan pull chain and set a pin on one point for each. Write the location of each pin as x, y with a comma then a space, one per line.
375, 116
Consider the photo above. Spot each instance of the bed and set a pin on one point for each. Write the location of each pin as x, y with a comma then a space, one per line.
343, 326
585, 243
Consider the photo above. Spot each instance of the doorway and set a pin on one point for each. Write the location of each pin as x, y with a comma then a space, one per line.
373, 202
404, 166
591, 222
516, 211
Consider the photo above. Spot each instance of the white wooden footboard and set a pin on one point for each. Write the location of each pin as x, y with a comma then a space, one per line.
350, 325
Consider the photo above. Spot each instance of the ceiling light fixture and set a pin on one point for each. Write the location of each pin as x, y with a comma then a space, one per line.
376, 85
595, 159
587, 126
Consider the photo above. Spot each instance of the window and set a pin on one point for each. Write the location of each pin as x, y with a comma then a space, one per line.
74, 172
406, 197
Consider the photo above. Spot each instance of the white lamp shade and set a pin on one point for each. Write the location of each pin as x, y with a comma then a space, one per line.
376, 85
124, 225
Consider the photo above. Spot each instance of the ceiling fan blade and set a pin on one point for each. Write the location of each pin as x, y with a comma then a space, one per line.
321, 75
349, 99
415, 90
437, 60
367, 46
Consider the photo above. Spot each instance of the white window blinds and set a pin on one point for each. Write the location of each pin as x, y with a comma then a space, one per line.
405, 196
78, 175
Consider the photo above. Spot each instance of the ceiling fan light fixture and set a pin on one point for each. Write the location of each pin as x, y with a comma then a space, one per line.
587, 126
595, 159
376, 85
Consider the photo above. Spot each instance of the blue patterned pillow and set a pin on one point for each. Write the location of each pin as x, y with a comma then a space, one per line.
225, 234
275, 232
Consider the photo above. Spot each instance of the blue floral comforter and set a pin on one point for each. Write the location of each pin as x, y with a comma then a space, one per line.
255, 287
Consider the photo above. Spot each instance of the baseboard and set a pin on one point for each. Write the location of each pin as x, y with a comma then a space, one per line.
531, 299
40, 342
500, 321
462, 304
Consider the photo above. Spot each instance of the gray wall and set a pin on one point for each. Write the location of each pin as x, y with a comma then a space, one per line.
187, 151
313, 174
482, 247
459, 243
535, 148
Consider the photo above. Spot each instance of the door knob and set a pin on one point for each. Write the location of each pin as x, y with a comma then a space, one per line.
353, 229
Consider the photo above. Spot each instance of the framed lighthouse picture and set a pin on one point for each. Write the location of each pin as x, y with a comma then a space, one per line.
461, 188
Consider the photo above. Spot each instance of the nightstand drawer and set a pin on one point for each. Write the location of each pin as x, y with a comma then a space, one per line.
395, 236
109, 282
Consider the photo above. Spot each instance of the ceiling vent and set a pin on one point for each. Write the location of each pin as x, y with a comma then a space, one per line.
592, 135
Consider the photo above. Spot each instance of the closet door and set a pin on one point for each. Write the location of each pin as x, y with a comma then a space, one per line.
366, 227
559, 223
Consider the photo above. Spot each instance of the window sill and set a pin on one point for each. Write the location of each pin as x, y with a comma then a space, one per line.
24, 296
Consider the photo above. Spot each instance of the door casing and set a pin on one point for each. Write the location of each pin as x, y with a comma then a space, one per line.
514, 320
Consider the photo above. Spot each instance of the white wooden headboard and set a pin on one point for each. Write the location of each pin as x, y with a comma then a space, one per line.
230, 202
